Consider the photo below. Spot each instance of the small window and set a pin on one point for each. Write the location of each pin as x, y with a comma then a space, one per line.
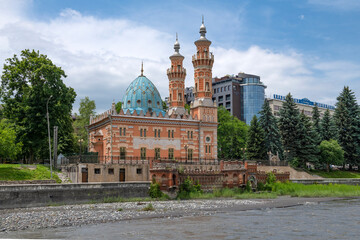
169, 132
188, 133
122, 153
158, 133
138, 102
157, 153
97, 170
111, 171
227, 97
221, 98
191, 134
144, 132
141, 132
129, 102
124, 132
143, 153
120, 131
172, 134
209, 149
139, 171
155, 133
206, 149
171, 153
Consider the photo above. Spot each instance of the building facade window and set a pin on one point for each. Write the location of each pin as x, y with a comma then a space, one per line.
171, 153
111, 171
157, 153
169, 133
139, 171
143, 153
141, 132
122, 131
221, 98
144, 132
227, 97
172, 133
122, 153
190, 154
97, 170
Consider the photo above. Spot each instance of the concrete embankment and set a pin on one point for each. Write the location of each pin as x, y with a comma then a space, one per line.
33, 195
347, 181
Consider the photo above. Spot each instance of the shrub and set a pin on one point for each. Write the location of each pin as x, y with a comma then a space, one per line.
149, 207
248, 187
154, 191
260, 186
187, 188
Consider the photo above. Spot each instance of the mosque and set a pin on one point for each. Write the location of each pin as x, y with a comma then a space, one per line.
143, 130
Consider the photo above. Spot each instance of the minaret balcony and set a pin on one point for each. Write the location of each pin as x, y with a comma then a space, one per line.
201, 56
170, 71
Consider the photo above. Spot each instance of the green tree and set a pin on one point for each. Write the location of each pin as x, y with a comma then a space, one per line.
164, 106
187, 107
86, 109
316, 122
289, 122
231, 135
308, 149
26, 85
271, 131
9, 147
328, 128
331, 153
118, 106
255, 146
348, 125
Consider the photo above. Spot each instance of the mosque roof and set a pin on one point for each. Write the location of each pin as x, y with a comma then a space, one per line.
142, 95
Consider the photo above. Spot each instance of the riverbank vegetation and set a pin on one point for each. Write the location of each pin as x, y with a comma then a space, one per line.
336, 174
17, 172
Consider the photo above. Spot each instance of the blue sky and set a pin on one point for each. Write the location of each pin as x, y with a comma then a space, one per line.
307, 47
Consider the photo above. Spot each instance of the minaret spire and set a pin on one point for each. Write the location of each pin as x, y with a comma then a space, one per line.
177, 44
202, 29
142, 68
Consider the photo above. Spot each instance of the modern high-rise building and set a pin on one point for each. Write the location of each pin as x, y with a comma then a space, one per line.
242, 95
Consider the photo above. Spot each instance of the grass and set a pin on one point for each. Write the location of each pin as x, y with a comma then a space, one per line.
148, 207
234, 193
315, 190
18, 172
336, 174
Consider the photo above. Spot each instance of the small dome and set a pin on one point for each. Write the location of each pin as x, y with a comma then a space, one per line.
142, 95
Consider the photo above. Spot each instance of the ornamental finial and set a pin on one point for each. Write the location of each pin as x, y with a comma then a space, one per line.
142, 68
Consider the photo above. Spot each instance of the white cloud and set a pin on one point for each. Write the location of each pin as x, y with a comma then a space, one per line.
301, 17
102, 56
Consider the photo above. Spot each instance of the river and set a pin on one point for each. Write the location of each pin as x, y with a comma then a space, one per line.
338, 219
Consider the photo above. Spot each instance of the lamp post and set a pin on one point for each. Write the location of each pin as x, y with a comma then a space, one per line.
80, 142
243, 150
48, 123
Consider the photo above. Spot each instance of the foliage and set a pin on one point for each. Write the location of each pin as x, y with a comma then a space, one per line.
271, 131
164, 106
248, 187
118, 107
26, 85
9, 147
86, 109
255, 146
231, 135
348, 125
16, 172
315, 190
187, 188
331, 153
271, 178
307, 151
328, 128
316, 122
289, 122
148, 207
336, 174
187, 107
154, 191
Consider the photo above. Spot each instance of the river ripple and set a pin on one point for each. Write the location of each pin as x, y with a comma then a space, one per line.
328, 220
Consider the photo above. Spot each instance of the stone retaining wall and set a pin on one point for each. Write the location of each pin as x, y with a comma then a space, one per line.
28, 182
33, 195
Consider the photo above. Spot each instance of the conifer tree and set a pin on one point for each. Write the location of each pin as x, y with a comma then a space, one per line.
309, 140
328, 128
271, 131
348, 125
255, 149
288, 125
316, 122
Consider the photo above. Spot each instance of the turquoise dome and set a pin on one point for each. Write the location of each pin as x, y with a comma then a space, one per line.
142, 95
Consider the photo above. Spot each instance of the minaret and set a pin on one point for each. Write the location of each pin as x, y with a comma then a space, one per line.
176, 75
203, 106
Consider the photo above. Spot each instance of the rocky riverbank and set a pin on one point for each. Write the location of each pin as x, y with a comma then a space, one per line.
77, 215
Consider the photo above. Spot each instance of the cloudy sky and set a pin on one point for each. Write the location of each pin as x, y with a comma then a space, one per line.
307, 47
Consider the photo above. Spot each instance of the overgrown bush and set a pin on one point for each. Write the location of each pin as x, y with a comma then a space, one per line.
188, 188
155, 191
248, 187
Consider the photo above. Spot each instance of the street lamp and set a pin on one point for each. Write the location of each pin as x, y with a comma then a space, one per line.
243, 150
80, 142
47, 116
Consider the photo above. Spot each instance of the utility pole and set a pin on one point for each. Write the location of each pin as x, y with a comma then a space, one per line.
48, 123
